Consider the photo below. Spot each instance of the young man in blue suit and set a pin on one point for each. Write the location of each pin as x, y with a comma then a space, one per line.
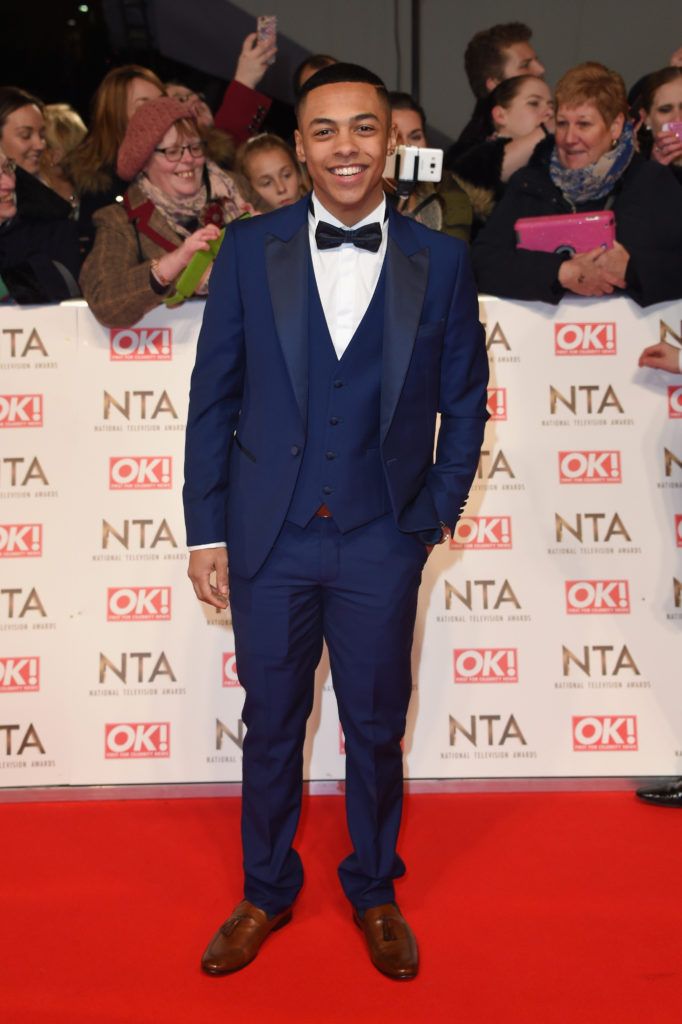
334, 333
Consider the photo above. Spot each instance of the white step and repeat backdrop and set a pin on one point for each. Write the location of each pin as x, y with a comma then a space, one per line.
548, 637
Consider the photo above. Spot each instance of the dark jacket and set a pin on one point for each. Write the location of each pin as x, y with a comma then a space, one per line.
39, 257
647, 202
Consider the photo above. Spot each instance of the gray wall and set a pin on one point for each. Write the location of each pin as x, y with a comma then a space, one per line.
629, 35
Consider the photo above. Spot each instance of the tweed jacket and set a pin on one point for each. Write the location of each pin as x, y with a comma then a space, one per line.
115, 283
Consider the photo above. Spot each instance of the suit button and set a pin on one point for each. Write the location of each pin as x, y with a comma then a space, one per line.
295, 449
330, 455
338, 383
334, 421
327, 490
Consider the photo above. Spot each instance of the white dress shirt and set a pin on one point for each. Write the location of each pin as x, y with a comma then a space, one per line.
346, 278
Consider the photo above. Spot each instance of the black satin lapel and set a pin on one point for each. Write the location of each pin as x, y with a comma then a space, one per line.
287, 268
406, 280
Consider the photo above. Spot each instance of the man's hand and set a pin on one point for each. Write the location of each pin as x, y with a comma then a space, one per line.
254, 60
662, 356
676, 58
584, 275
201, 564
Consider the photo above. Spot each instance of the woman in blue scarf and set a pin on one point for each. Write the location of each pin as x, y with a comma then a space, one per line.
591, 164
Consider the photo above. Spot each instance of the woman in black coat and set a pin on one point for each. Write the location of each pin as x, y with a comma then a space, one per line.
591, 165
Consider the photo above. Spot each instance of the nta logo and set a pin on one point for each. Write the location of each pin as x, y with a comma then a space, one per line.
21, 411
597, 467
585, 339
137, 739
484, 729
483, 533
142, 343
486, 665
30, 738
142, 473
597, 597
604, 732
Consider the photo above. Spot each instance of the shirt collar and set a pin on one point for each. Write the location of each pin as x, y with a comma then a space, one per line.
319, 212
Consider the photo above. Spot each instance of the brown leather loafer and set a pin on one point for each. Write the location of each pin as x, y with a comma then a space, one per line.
238, 940
391, 943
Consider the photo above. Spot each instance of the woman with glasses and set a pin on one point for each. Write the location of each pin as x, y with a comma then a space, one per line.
177, 202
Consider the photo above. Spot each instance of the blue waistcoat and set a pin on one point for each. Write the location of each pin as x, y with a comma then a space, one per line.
342, 465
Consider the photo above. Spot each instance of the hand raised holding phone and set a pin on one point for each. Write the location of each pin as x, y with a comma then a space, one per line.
258, 52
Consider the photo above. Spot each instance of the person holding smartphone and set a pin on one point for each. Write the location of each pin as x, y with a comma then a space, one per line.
661, 111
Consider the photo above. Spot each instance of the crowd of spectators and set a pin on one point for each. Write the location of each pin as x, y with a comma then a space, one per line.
116, 210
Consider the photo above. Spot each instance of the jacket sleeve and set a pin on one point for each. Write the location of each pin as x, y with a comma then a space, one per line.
462, 401
502, 269
654, 271
242, 111
116, 285
215, 401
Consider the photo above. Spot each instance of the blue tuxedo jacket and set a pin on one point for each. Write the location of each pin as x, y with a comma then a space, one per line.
246, 425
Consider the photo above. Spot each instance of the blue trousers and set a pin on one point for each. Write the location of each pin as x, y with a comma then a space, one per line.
357, 591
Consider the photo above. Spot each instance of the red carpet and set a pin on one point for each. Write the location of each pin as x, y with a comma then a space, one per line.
529, 907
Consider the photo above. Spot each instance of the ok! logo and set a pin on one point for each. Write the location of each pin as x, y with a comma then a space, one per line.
21, 411
140, 472
597, 339
21, 540
141, 344
138, 604
597, 597
593, 467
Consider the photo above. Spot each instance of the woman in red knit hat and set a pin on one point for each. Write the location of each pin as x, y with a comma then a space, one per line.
176, 204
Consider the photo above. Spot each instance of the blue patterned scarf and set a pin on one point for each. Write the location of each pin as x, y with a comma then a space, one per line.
583, 184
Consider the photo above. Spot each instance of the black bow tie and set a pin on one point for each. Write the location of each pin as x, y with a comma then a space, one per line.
367, 237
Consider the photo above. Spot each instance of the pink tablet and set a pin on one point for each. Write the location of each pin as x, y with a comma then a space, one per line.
567, 232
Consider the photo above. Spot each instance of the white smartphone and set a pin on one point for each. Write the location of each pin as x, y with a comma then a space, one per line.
414, 163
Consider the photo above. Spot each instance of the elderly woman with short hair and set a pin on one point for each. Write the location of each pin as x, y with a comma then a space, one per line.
177, 203
590, 165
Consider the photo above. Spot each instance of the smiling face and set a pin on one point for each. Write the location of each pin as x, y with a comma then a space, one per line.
23, 137
532, 106
583, 136
178, 180
344, 136
666, 106
272, 173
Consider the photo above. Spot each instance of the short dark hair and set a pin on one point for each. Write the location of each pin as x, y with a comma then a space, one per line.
403, 101
315, 61
484, 57
336, 74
